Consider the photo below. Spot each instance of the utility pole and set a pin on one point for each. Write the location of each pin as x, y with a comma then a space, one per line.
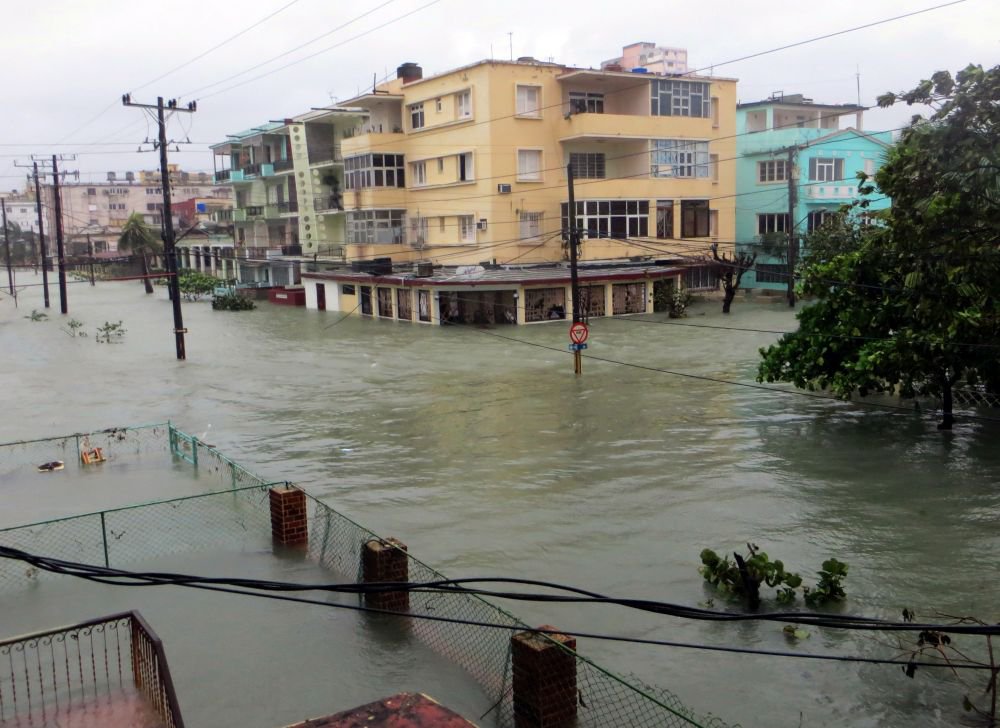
41, 236
169, 248
574, 241
793, 239
60, 249
6, 239
90, 252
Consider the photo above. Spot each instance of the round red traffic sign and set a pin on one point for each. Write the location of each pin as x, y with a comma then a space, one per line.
578, 332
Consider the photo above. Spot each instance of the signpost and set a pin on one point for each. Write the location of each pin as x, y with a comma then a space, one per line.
578, 334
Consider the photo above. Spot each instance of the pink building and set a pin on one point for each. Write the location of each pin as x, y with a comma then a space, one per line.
654, 58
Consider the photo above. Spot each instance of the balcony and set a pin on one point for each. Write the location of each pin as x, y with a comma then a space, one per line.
325, 155
282, 165
838, 190
254, 211
108, 671
251, 170
329, 203
630, 126
287, 208
239, 215
221, 175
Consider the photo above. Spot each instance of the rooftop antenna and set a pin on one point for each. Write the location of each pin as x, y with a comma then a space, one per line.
374, 80
857, 77
510, 39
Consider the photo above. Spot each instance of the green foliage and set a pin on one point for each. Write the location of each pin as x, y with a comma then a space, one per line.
110, 332
232, 301
195, 284
679, 301
74, 328
911, 305
137, 238
744, 576
36, 315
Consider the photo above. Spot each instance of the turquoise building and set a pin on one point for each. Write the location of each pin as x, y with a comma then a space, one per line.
790, 144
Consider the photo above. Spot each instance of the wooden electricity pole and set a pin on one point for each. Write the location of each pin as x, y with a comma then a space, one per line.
169, 247
6, 240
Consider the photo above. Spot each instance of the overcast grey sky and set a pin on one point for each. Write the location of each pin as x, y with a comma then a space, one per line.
66, 61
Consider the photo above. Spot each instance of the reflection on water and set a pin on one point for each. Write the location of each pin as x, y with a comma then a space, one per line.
488, 457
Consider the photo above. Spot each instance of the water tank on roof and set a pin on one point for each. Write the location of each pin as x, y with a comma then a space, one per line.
111, 176
640, 70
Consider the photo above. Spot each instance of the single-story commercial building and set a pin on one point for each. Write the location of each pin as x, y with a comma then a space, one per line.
478, 295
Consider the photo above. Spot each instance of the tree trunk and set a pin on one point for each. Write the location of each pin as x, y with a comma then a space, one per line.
145, 272
947, 418
727, 300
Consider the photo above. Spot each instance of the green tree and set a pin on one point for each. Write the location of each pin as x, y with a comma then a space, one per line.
195, 284
911, 305
138, 239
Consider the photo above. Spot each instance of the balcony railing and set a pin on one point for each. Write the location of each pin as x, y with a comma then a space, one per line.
285, 208
222, 175
282, 165
251, 170
328, 202
255, 211
53, 673
325, 155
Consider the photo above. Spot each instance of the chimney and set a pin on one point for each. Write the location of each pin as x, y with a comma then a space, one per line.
409, 72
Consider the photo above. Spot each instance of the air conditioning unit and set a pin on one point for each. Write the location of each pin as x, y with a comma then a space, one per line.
503, 188
481, 225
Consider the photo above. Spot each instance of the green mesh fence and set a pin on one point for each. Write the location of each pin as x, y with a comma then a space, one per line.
237, 515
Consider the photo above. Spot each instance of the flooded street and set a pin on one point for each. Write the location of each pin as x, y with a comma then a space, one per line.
488, 458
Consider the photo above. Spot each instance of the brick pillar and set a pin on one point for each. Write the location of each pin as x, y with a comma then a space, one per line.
386, 561
544, 677
288, 516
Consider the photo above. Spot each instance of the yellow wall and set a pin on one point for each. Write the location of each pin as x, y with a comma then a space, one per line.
494, 134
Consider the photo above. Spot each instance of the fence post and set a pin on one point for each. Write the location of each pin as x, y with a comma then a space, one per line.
544, 679
194, 451
383, 561
104, 539
289, 525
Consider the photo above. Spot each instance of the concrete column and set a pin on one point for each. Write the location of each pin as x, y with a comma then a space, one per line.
383, 561
289, 525
544, 679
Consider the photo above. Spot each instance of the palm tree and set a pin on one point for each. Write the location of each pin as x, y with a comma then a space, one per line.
138, 239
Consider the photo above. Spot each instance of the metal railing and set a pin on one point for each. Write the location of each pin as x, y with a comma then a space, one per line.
328, 202
222, 175
251, 169
282, 165
321, 155
286, 207
49, 673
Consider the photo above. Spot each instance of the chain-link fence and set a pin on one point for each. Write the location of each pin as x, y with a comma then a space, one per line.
473, 633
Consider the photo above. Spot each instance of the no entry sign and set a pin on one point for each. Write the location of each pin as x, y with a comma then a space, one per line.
578, 332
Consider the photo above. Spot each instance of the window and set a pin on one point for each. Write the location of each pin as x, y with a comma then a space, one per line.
404, 304
437, 105
775, 170
375, 226
816, 219
424, 305
374, 170
440, 165
772, 273
772, 222
701, 277
384, 298
695, 219
664, 219
467, 228
680, 98
419, 174
149, 191
417, 116
463, 105
154, 206
826, 170
586, 103
347, 290
628, 298
531, 224
529, 101
587, 165
91, 191
465, 170
679, 158
529, 165
610, 218
544, 304
869, 166
418, 231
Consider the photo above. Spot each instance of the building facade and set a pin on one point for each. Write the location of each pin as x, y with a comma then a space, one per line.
791, 145
654, 58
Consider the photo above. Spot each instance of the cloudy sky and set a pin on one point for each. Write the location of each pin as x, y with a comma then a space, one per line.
66, 63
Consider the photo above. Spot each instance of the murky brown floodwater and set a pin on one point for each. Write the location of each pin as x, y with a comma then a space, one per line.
487, 457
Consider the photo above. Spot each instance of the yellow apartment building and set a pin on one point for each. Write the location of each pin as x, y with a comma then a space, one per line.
469, 166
